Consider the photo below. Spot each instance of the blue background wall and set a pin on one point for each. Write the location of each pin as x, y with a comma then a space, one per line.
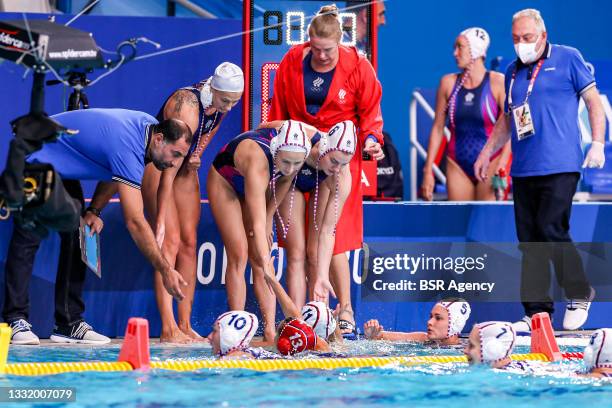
416, 45
140, 85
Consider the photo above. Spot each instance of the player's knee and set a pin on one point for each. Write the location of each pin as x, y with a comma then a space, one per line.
237, 260
171, 242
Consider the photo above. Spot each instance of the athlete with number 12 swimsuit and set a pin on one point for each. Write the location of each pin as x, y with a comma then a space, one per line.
469, 103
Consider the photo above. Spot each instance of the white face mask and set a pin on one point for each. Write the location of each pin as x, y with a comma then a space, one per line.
527, 51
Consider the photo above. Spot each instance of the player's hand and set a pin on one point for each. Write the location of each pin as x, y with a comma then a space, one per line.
481, 166
95, 223
194, 162
374, 149
372, 329
322, 289
427, 187
173, 281
160, 233
273, 124
595, 157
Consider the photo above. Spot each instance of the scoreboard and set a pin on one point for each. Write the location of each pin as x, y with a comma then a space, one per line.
271, 27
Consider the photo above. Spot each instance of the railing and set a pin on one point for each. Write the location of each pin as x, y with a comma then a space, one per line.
416, 149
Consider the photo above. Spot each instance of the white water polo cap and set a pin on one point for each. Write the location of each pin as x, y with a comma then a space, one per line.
458, 315
598, 353
228, 77
479, 41
320, 317
496, 341
236, 330
291, 138
341, 137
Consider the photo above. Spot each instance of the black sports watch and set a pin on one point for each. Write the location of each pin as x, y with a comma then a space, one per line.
94, 211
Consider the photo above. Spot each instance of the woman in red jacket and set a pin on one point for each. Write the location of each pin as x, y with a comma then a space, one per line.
323, 83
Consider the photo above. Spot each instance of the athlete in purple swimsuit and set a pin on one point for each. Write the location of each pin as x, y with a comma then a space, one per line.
250, 176
469, 103
177, 190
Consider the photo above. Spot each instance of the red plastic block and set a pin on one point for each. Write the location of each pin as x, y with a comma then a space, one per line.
543, 337
135, 348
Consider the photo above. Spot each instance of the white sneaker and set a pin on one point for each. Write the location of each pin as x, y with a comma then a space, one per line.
523, 325
577, 312
23, 334
78, 333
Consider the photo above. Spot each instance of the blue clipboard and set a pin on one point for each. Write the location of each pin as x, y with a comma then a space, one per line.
90, 249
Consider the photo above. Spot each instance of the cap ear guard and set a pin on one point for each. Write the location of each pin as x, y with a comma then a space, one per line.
318, 316
478, 40
291, 137
236, 330
228, 77
341, 137
598, 353
458, 315
496, 341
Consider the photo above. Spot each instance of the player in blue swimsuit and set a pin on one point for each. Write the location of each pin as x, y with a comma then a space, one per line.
322, 185
469, 103
249, 177
177, 190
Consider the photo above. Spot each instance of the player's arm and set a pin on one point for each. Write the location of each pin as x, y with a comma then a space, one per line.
374, 331
326, 237
499, 93
133, 213
368, 108
288, 307
182, 105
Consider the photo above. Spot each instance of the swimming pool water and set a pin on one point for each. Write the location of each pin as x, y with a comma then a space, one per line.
438, 385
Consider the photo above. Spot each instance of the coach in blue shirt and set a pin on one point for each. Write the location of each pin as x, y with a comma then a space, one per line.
543, 87
112, 145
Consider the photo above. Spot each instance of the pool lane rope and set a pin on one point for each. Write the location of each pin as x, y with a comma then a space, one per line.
135, 355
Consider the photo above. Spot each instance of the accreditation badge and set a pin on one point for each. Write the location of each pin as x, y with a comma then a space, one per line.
523, 121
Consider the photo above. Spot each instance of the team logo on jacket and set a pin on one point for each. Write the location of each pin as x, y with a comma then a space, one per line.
341, 95
208, 123
306, 172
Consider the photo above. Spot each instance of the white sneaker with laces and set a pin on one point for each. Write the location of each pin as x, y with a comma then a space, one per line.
577, 312
523, 325
23, 334
78, 333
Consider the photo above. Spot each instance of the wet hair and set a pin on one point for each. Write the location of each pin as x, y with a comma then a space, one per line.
173, 130
326, 24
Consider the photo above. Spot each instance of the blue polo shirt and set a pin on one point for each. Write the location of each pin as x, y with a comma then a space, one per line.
556, 145
111, 145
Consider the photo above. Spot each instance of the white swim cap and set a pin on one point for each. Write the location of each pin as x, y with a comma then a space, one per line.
320, 318
458, 315
342, 137
496, 340
228, 77
598, 353
236, 329
291, 138
479, 41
